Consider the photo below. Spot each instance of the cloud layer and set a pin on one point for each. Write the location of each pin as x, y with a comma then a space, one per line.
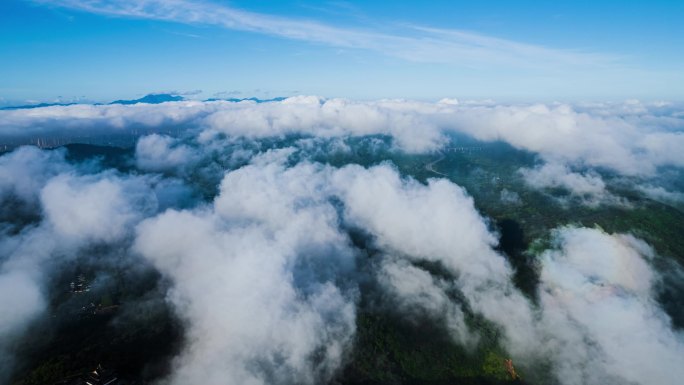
253, 234
631, 138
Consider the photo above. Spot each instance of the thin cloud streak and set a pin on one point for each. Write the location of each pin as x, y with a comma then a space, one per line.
417, 44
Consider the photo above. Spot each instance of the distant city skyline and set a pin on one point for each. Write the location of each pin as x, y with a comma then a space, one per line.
100, 50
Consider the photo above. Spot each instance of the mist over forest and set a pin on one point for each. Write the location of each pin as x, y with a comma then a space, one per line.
307, 240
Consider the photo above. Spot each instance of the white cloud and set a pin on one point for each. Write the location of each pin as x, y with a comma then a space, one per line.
603, 136
328, 118
597, 313
95, 208
25, 171
588, 187
93, 120
563, 134
415, 292
264, 276
602, 322
19, 293
74, 212
439, 223
414, 43
256, 277
552, 175
662, 194
163, 153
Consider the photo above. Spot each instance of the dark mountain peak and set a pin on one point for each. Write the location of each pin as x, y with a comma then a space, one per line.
152, 99
252, 99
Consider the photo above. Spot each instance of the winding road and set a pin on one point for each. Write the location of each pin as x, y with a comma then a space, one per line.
431, 166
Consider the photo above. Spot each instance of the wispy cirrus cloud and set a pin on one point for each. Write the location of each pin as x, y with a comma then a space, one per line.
412, 43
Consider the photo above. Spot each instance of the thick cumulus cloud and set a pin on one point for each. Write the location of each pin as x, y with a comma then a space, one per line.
160, 153
97, 208
260, 277
25, 171
601, 322
398, 210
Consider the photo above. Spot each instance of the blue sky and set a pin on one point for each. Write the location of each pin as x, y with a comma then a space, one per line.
503, 50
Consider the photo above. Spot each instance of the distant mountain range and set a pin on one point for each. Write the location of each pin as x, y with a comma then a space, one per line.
236, 100
148, 99
152, 99
27, 106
